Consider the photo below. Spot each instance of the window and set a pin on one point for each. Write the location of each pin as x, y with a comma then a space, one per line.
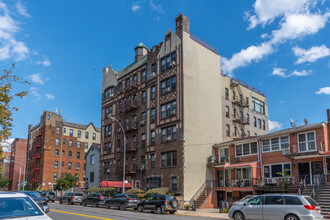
94, 136
168, 85
110, 111
274, 200
243, 173
255, 121
127, 84
135, 79
78, 155
306, 141
162, 64
108, 93
277, 170
292, 200
143, 161
152, 161
78, 144
163, 89
153, 114
64, 130
143, 115
56, 164
77, 166
169, 133
168, 110
70, 143
92, 162
153, 182
258, 106
57, 141
263, 125
223, 155
169, 159
69, 166
246, 149
256, 201
153, 137
70, 154
57, 130
143, 96
234, 95
143, 77
63, 141
86, 135
275, 144
62, 163
227, 130
174, 184
119, 88
86, 145
227, 111
55, 176
63, 152
79, 134
226, 93
153, 92
259, 123
153, 69
168, 62
247, 101
56, 153
71, 132
91, 177
143, 140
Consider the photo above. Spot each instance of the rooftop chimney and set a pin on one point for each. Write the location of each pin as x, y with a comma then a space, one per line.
328, 115
182, 23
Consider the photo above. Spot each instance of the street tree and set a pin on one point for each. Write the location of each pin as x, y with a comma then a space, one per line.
66, 182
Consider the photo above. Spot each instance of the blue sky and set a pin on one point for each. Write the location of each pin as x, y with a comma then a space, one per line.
278, 46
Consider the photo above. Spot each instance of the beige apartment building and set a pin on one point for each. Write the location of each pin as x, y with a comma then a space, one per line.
244, 109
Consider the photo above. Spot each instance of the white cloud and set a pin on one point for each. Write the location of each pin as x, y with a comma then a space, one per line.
274, 125
156, 7
278, 72
281, 72
9, 46
246, 56
301, 73
21, 9
35, 93
44, 62
312, 54
49, 96
267, 10
324, 90
6, 144
136, 7
36, 78
282, 101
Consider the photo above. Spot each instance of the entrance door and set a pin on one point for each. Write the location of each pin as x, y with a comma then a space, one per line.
317, 172
304, 172
221, 178
228, 178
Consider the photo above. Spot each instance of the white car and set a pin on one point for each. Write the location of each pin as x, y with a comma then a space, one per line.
19, 206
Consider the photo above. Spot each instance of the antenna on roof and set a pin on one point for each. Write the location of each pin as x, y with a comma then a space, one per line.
306, 121
293, 123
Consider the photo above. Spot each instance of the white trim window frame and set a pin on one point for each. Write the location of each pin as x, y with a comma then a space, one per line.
283, 143
307, 142
270, 170
227, 157
242, 154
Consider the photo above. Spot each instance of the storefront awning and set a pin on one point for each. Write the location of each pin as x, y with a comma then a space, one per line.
236, 165
327, 153
118, 184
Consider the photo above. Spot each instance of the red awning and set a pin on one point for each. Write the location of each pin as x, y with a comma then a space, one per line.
250, 164
326, 153
118, 184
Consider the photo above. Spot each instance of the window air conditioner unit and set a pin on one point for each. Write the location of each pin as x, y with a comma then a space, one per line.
143, 122
142, 167
271, 181
111, 94
173, 112
168, 89
173, 63
238, 158
168, 138
153, 74
108, 170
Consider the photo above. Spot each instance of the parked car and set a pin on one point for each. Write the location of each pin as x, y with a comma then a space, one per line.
95, 199
71, 198
41, 201
123, 201
242, 201
277, 207
14, 205
50, 196
159, 203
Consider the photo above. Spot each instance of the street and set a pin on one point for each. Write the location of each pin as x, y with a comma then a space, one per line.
75, 212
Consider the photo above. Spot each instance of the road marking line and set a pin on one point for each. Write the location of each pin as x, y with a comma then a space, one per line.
73, 213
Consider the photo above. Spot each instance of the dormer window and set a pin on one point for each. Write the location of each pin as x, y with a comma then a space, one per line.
168, 37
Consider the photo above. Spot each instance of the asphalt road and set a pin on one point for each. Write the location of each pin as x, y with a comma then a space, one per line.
78, 212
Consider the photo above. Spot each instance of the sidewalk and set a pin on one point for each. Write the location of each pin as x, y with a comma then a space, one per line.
211, 213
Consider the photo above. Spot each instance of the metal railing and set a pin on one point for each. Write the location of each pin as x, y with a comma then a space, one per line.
209, 184
247, 86
203, 43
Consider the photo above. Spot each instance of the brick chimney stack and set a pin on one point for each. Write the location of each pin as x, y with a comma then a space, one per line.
328, 116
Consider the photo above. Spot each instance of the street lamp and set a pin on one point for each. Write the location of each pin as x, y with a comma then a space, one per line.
23, 173
122, 128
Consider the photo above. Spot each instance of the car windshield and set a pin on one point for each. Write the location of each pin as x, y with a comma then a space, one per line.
246, 198
78, 194
32, 194
18, 207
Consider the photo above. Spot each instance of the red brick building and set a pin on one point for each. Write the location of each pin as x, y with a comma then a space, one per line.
17, 164
257, 165
5, 163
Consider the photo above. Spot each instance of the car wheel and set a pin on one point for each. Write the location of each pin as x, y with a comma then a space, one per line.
94, 204
107, 205
71, 202
61, 202
83, 203
172, 212
53, 200
140, 208
122, 206
238, 216
291, 217
159, 210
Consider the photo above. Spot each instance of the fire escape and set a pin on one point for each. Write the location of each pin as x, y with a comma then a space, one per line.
239, 103
36, 156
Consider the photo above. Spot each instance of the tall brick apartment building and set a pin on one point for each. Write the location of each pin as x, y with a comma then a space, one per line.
169, 102
56, 147
259, 164
17, 158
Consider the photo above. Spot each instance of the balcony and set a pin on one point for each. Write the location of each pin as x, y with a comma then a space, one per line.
38, 134
130, 105
235, 82
36, 167
240, 120
217, 162
131, 126
36, 156
131, 147
37, 144
291, 153
131, 87
131, 169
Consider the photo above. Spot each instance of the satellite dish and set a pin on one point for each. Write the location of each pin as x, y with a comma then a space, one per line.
292, 123
306, 121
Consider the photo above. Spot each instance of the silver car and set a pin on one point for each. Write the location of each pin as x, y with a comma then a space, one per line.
71, 198
277, 207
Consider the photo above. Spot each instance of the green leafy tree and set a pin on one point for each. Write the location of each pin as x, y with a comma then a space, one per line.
286, 173
4, 182
66, 182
